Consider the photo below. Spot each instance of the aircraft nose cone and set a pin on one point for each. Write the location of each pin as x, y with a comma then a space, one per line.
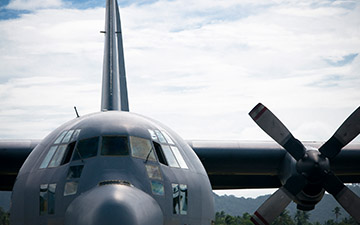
114, 204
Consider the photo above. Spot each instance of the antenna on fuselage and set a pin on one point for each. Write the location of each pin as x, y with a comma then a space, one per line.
114, 89
77, 114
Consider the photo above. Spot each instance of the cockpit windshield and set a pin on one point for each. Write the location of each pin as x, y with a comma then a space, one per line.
142, 148
67, 146
115, 146
86, 148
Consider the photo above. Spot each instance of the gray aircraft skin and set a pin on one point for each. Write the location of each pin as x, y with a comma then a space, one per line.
107, 185
118, 167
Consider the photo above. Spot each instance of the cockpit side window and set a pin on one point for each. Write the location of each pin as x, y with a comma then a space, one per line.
72, 180
168, 138
68, 153
48, 157
61, 136
142, 148
56, 160
43, 199
166, 150
170, 158
180, 199
47, 199
61, 150
86, 148
179, 157
51, 198
115, 146
160, 137
67, 137
160, 153
75, 135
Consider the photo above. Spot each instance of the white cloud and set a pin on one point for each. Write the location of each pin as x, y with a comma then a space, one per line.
275, 54
198, 67
33, 4
215, 67
52, 62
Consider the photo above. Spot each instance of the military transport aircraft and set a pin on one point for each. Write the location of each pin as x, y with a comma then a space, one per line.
117, 167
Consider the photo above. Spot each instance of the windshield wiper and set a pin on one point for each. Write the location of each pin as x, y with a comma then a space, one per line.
78, 152
148, 155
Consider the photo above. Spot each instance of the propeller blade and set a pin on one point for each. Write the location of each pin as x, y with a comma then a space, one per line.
271, 208
346, 198
277, 130
346, 133
277, 202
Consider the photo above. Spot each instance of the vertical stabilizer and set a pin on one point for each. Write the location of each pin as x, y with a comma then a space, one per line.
114, 88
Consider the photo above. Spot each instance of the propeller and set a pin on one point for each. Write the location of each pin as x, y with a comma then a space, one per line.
313, 166
281, 199
344, 134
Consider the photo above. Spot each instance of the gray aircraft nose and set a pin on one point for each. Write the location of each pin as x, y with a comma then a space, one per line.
114, 204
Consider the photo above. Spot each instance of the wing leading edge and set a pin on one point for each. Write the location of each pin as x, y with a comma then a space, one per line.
240, 165
12, 156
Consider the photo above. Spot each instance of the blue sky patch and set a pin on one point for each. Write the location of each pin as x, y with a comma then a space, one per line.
7, 14
334, 3
327, 82
85, 4
347, 59
4, 3
225, 14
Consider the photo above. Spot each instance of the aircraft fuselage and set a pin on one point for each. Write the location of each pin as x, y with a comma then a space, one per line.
112, 168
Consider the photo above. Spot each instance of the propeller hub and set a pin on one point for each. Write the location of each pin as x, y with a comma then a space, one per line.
313, 166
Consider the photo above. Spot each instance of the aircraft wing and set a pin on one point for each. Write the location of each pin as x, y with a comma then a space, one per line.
229, 164
12, 155
239, 164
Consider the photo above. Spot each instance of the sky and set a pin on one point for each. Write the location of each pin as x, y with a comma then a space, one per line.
197, 66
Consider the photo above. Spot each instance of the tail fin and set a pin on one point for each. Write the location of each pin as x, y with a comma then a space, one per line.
114, 88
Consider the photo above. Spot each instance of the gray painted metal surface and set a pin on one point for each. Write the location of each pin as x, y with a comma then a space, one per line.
249, 164
114, 88
103, 204
125, 170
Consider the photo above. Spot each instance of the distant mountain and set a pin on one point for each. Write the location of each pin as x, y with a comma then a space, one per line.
238, 206
5, 200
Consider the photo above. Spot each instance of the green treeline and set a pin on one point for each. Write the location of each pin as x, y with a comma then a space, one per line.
4, 217
221, 218
300, 218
